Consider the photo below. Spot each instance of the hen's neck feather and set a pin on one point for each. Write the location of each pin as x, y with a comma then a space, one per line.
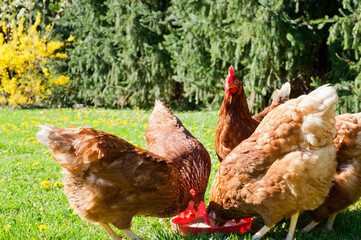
236, 105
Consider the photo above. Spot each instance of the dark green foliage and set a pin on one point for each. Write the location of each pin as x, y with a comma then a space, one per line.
128, 53
118, 58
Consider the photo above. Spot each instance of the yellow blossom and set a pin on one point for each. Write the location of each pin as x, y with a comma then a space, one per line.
7, 227
42, 227
57, 183
70, 38
19, 163
34, 164
45, 184
24, 79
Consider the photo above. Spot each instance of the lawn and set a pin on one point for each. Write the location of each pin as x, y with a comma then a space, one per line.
32, 203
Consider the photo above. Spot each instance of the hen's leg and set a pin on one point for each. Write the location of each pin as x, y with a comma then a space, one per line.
293, 223
330, 221
261, 232
131, 234
114, 236
110, 231
310, 226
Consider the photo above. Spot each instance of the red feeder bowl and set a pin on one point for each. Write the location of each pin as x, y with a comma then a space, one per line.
193, 228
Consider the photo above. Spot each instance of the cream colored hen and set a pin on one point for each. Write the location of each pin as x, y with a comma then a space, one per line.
284, 168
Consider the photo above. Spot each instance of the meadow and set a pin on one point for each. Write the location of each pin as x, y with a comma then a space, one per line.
32, 203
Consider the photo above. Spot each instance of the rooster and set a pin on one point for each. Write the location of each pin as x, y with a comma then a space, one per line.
235, 123
347, 183
107, 180
284, 168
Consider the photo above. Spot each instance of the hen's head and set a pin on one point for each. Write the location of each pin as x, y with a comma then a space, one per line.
192, 212
233, 84
215, 215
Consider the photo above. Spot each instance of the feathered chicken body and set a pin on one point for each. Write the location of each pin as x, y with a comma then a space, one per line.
108, 180
284, 168
235, 122
347, 183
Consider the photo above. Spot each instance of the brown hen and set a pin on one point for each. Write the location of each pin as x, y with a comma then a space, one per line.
285, 167
347, 182
108, 180
235, 122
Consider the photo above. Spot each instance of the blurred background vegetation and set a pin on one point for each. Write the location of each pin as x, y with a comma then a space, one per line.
129, 53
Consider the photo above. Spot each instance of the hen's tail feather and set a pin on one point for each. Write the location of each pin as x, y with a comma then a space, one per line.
66, 147
282, 95
318, 109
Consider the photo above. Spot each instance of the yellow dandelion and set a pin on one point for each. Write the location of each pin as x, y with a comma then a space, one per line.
74, 213
20, 143
7, 227
209, 144
57, 183
42, 227
35, 164
137, 108
70, 38
45, 184
1, 180
19, 163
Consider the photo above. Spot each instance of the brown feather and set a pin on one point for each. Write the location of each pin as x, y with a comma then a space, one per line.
235, 122
285, 166
347, 183
109, 180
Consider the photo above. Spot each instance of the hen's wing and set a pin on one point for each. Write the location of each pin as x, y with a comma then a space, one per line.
279, 97
81, 150
348, 140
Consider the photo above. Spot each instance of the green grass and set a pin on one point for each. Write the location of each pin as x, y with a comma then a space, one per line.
24, 164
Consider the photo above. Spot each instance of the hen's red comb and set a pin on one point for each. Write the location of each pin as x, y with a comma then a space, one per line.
230, 74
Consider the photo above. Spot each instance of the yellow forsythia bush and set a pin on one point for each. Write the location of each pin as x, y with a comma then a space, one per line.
24, 77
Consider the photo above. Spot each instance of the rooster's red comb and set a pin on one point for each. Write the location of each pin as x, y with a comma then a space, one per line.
230, 74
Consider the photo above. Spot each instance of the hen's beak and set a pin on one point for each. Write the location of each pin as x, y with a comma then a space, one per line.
229, 90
